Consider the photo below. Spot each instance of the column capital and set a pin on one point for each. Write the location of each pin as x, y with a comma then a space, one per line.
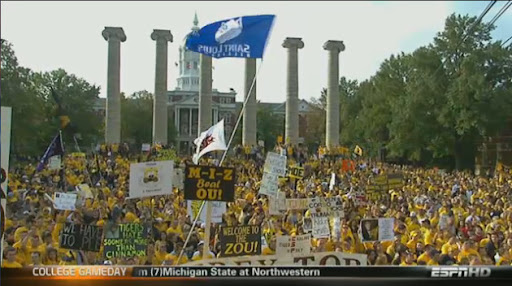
334, 46
114, 33
296, 43
162, 35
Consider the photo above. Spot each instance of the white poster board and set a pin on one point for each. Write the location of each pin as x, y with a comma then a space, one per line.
178, 179
63, 201
218, 209
5, 141
54, 163
277, 204
288, 245
275, 164
269, 185
146, 147
320, 225
376, 229
149, 179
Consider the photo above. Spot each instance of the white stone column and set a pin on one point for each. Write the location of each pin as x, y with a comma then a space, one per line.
114, 36
177, 119
292, 90
205, 94
249, 119
190, 117
160, 119
332, 125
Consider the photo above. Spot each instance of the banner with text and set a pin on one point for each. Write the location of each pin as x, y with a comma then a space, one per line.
209, 183
81, 237
289, 245
124, 240
240, 240
314, 259
275, 164
320, 225
296, 172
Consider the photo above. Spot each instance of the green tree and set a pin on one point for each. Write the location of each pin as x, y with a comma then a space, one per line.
77, 98
30, 125
137, 118
270, 126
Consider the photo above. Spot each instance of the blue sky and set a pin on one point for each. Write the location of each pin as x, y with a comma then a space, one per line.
51, 35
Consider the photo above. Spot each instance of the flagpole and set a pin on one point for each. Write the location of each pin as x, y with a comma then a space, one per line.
63, 166
206, 239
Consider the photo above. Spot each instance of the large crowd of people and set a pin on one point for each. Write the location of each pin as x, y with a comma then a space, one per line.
441, 218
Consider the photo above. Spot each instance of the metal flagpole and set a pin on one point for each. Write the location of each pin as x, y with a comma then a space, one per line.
206, 238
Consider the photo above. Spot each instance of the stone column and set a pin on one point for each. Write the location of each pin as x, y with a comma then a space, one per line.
292, 90
114, 36
205, 94
249, 119
160, 120
333, 95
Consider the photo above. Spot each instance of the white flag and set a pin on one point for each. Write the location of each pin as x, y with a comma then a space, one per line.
210, 140
332, 182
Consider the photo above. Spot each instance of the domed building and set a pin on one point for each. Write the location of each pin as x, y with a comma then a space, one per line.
184, 100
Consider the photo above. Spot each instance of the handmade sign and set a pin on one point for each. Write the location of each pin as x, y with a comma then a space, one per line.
209, 183
240, 240
81, 237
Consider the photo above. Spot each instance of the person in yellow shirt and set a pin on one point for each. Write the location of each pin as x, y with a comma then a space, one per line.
270, 248
408, 259
467, 250
10, 258
171, 258
35, 259
51, 257
198, 255
160, 253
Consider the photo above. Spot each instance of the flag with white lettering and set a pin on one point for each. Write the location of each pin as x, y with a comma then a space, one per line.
239, 37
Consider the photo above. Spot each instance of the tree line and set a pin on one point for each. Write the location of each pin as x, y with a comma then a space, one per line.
433, 106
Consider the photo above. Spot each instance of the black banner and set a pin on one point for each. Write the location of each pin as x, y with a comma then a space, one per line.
125, 240
209, 183
296, 172
81, 237
240, 240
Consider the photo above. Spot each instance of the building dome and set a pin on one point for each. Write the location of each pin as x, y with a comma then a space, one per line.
189, 64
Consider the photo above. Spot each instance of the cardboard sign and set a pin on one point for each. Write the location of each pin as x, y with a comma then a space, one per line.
314, 259
240, 240
332, 206
261, 143
125, 240
146, 147
63, 201
209, 183
307, 224
275, 164
287, 245
178, 179
149, 179
384, 183
81, 237
54, 163
269, 185
320, 225
218, 209
376, 229
277, 204
296, 172
297, 204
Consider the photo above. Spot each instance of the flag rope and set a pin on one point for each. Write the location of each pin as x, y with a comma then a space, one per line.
206, 239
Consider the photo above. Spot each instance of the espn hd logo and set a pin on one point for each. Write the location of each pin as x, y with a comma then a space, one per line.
460, 272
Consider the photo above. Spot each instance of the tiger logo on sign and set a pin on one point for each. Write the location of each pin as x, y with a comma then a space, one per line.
150, 175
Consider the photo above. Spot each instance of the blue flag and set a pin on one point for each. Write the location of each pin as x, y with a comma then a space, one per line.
240, 37
54, 149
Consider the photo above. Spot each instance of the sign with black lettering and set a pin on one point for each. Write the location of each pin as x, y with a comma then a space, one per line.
387, 182
81, 237
240, 240
125, 240
209, 183
296, 172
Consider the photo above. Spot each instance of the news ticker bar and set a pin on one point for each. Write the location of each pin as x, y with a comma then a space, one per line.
113, 272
